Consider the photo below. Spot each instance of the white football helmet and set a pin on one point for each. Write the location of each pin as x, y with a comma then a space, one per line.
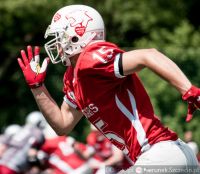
12, 129
72, 27
36, 118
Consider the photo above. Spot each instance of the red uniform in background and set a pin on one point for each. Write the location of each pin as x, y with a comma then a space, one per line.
103, 150
102, 146
15, 159
62, 157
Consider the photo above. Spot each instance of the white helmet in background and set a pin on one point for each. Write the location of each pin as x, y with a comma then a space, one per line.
36, 118
49, 132
72, 27
12, 129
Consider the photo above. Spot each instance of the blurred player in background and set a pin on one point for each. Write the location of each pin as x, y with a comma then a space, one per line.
60, 156
15, 159
102, 155
101, 83
7, 135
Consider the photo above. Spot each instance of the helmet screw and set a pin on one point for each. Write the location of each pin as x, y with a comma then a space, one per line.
75, 39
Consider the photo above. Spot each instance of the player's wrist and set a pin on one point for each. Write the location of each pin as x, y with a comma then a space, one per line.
190, 93
36, 85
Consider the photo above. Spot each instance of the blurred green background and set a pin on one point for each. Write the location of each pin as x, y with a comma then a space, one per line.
170, 26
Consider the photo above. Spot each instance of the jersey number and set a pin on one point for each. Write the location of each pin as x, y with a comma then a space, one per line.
103, 53
133, 118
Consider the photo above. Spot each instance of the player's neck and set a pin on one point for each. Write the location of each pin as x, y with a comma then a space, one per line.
74, 60
96, 41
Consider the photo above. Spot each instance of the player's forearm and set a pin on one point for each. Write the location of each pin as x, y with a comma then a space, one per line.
168, 70
157, 62
50, 109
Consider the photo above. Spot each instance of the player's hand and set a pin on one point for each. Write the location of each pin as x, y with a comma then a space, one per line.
192, 96
30, 65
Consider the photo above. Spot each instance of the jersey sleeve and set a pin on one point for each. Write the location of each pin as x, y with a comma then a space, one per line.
104, 61
69, 96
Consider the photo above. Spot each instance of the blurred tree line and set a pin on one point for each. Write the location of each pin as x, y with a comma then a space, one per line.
172, 27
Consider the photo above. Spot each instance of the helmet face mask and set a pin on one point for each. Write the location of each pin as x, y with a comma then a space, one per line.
72, 28
55, 47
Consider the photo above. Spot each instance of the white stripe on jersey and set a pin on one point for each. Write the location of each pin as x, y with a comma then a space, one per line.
134, 118
59, 163
116, 67
69, 102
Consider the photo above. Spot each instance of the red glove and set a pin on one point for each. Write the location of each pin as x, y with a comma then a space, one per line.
192, 96
33, 73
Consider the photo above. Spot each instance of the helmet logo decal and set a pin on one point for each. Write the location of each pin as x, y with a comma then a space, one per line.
56, 17
79, 19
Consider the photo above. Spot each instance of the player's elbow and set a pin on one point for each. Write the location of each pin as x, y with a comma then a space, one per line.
149, 55
64, 131
151, 52
61, 131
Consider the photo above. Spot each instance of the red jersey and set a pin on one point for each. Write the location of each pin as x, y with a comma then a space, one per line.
102, 146
117, 105
62, 157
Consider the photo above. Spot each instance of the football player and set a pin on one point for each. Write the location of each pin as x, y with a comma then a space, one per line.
102, 155
101, 83
9, 131
15, 159
62, 157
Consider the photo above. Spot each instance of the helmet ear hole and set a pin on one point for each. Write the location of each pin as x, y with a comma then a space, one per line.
75, 39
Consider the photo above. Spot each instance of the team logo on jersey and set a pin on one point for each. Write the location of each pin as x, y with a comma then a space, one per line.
56, 17
79, 23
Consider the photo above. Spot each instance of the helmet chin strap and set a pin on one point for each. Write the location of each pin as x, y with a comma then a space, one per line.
66, 62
